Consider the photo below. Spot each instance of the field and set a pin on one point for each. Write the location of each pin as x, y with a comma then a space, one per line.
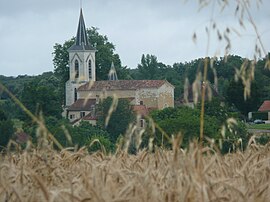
199, 174
259, 126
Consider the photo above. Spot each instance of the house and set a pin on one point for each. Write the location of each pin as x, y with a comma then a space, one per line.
83, 92
262, 113
265, 107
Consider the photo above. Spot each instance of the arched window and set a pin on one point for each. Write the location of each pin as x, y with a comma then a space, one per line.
142, 123
75, 95
90, 69
76, 69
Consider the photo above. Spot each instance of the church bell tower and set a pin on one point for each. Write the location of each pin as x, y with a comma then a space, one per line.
82, 68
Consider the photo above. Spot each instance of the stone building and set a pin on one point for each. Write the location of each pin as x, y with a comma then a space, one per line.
83, 92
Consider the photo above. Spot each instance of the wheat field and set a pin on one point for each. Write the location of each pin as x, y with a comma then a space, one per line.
199, 174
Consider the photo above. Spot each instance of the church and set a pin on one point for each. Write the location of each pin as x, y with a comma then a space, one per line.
83, 92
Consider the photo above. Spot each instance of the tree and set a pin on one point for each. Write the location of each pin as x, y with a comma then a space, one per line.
119, 120
105, 55
42, 96
149, 67
186, 121
6, 129
235, 97
183, 120
80, 135
96, 142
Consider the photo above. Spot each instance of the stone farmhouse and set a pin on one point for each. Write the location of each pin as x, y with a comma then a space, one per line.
83, 92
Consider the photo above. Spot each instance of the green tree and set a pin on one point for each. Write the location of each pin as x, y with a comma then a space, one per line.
80, 135
42, 96
233, 131
186, 121
96, 142
119, 119
235, 96
105, 55
149, 67
6, 129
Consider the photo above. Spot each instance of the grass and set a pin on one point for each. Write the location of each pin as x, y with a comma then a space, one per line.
259, 126
45, 174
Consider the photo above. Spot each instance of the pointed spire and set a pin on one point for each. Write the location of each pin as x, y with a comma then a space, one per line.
81, 38
112, 76
81, 42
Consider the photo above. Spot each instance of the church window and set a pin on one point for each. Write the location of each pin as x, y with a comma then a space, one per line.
76, 69
90, 69
141, 102
142, 123
75, 95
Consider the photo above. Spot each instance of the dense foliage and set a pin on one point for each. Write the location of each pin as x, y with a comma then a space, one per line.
185, 121
225, 68
44, 94
6, 129
118, 120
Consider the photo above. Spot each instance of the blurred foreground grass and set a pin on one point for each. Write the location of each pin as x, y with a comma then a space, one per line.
199, 174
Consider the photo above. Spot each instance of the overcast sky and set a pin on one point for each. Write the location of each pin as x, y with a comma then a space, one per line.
30, 28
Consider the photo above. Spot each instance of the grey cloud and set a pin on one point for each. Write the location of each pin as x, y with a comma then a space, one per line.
159, 27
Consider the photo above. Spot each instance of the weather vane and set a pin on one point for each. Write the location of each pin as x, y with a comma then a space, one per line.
81, 3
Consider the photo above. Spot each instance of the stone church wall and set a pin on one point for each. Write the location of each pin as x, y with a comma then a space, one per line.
104, 94
149, 97
165, 96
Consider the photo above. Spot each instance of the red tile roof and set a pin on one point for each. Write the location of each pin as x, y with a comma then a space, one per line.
140, 110
122, 85
265, 106
82, 105
89, 117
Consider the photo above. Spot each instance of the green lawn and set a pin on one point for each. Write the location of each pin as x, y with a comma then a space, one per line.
259, 126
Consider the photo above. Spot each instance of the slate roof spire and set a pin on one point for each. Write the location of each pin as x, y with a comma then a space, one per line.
81, 42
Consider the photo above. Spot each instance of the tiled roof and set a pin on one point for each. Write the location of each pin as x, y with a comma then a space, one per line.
82, 105
265, 106
140, 110
122, 85
89, 117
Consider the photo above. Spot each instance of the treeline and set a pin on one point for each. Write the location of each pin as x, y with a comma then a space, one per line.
43, 95
50, 85
223, 70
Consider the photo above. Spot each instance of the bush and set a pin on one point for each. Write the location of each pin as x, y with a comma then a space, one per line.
186, 121
100, 142
6, 129
263, 139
